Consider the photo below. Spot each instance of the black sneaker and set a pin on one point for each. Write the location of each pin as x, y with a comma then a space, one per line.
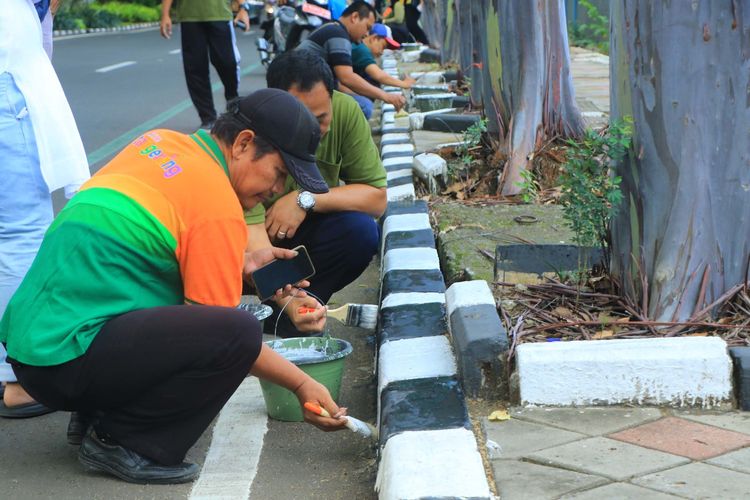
207, 125
129, 466
78, 427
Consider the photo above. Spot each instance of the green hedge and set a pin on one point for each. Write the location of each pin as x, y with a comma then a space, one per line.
130, 12
81, 15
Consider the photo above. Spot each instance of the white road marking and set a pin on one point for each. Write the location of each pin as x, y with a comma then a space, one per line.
107, 69
175, 51
232, 459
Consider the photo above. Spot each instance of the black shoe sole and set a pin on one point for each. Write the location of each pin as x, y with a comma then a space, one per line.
95, 466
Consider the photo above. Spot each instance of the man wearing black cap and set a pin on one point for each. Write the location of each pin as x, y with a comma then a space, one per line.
338, 228
133, 291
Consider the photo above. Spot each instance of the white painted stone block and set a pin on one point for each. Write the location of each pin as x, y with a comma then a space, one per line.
430, 165
398, 160
409, 298
684, 371
396, 137
407, 172
419, 258
468, 293
407, 149
432, 464
388, 107
410, 359
389, 117
391, 88
411, 56
389, 63
387, 127
428, 77
403, 192
406, 222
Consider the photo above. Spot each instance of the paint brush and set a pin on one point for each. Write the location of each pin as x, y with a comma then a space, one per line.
353, 424
361, 315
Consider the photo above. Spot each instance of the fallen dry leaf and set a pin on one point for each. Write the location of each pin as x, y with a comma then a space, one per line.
499, 416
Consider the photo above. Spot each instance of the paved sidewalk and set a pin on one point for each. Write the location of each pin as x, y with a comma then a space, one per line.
616, 452
591, 82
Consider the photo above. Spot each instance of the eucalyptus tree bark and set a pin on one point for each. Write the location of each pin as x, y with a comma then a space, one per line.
681, 69
532, 98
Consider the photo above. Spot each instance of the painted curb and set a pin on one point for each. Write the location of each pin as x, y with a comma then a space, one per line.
93, 31
679, 372
479, 338
425, 432
741, 358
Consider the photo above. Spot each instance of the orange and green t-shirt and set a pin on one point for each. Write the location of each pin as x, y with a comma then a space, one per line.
159, 225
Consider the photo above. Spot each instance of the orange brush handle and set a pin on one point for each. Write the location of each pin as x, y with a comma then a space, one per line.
317, 409
305, 310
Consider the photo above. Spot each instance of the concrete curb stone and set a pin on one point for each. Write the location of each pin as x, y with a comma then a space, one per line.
479, 338
425, 435
130, 27
741, 359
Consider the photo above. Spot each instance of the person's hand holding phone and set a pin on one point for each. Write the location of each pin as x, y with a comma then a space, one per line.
307, 314
261, 257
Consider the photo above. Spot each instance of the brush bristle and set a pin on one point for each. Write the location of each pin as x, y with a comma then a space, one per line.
362, 428
362, 315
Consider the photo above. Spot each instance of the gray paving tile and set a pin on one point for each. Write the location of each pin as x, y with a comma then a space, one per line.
517, 438
591, 421
737, 460
607, 457
523, 480
734, 421
619, 491
698, 480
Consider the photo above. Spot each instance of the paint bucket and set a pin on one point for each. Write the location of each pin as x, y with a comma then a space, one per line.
320, 357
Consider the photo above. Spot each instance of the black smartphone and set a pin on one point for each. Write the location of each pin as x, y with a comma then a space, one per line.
281, 272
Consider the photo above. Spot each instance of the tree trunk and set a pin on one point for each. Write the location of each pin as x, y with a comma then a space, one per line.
681, 69
532, 98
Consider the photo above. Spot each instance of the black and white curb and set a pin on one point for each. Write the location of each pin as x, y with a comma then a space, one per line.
427, 447
479, 339
129, 27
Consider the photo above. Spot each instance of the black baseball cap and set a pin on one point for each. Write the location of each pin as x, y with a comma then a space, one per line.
282, 120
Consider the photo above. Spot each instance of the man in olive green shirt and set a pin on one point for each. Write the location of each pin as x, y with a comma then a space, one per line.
338, 228
206, 31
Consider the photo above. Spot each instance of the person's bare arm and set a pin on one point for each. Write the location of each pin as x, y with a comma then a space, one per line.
165, 25
273, 367
359, 85
376, 73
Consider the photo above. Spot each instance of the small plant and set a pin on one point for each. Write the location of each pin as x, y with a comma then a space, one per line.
529, 186
593, 34
590, 191
472, 137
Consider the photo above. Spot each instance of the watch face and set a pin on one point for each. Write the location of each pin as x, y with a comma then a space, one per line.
306, 200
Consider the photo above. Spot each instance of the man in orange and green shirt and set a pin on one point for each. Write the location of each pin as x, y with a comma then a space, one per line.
128, 310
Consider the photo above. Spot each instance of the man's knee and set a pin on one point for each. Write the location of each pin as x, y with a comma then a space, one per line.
360, 234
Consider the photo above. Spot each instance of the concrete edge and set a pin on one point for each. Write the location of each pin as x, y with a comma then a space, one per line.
678, 372
441, 461
96, 31
479, 339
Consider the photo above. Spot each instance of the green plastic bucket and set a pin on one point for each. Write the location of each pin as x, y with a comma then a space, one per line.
320, 357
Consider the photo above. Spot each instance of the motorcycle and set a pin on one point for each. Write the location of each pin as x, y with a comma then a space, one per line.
292, 24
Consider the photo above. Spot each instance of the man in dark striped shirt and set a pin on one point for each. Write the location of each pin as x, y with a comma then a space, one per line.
333, 42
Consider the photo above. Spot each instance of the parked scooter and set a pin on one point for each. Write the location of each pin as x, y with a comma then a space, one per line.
292, 24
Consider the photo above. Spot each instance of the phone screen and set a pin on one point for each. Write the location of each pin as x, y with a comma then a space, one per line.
282, 272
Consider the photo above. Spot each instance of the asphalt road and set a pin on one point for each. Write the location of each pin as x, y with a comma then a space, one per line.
111, 107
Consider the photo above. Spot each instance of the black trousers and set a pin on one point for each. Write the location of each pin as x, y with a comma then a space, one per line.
202, 41
412, 15
154, 379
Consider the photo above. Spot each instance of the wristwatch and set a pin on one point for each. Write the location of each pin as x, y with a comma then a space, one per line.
306, 201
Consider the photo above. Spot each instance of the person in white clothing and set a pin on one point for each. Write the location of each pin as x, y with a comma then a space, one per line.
40, 152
